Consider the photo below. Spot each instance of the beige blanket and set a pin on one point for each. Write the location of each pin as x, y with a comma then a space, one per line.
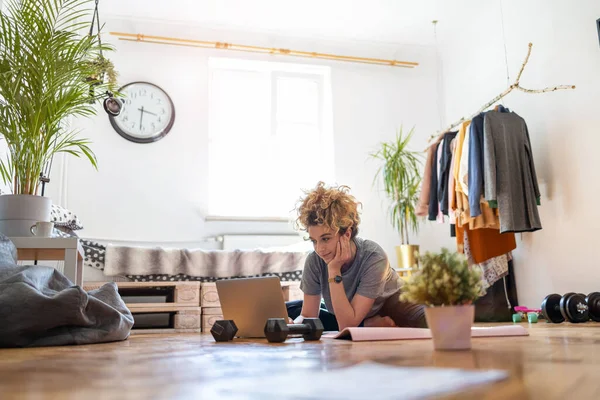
126, 260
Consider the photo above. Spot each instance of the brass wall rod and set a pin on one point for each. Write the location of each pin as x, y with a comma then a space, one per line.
138, 37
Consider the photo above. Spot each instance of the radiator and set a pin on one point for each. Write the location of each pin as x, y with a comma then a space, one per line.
252, 242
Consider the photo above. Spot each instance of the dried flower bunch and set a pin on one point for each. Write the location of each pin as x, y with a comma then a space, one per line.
444, 279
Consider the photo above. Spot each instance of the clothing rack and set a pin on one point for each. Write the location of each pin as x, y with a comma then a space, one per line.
516, 85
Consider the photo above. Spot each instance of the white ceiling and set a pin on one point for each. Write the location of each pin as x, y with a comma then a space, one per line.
388, 21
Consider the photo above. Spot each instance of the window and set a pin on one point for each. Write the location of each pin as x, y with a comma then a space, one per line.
270, 136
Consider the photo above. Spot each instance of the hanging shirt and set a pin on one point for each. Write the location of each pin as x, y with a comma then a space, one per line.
422, 208
476, 164
475, 177
433, 206
510, 178
451, 190
463, 166
445, 168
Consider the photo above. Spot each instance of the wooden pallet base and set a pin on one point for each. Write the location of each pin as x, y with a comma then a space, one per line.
176, 293
154, 303
209, 316
185, 319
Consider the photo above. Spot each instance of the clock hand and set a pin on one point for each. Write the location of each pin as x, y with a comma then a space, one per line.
146, 111
141, 116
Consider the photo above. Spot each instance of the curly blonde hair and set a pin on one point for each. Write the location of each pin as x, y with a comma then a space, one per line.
331, 207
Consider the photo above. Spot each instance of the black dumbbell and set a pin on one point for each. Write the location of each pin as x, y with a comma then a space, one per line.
277, 329
572, 307
223, 330
593, 302
551, 308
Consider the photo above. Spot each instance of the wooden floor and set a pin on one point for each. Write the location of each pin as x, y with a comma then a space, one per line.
554, 362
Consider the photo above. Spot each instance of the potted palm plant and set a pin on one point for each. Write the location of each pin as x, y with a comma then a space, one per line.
401, 180
47, 56
448, 287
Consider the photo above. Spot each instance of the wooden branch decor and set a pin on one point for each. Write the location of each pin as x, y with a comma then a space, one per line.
516, 85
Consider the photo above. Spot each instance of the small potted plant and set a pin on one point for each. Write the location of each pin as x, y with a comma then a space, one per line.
448, 287
102, 71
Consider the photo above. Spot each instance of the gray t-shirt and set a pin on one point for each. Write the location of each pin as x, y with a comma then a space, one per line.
370, 275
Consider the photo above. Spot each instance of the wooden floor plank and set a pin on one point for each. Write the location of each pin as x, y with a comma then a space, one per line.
554, 362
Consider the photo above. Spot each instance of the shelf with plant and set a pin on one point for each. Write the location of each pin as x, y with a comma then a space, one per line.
52, 70
400, 172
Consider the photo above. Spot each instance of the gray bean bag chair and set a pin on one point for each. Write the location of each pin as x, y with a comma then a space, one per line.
39, 306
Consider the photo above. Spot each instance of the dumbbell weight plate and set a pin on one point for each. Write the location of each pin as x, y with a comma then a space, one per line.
575, 308
563, 305
551, 309
593, 303
316, 329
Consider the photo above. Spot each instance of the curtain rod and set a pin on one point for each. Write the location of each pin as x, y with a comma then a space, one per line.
516, 85
138, 37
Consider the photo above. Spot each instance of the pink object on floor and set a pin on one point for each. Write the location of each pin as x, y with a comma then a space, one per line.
525, 309
376, 334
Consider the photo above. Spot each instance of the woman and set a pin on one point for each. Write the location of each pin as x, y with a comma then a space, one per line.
351, 274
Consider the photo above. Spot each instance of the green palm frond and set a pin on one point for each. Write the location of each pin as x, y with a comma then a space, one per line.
401, 180
47, 57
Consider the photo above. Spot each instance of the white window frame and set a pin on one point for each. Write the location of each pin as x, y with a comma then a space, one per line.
320, 74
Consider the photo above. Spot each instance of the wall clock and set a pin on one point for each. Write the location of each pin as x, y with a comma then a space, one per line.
148, 113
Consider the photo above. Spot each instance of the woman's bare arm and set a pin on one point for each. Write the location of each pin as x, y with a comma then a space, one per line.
310, 307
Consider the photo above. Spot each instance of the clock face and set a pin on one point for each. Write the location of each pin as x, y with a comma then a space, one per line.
147, 114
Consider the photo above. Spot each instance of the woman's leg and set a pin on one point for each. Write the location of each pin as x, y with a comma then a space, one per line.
294, 308
404, 314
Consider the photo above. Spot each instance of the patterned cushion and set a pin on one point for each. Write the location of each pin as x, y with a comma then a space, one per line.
65, 218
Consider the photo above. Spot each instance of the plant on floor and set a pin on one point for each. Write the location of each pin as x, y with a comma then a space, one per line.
47, 56
448, 287
443, 279
401, 178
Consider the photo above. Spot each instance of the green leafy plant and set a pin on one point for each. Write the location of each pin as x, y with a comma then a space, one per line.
47, 55
443, 279
401, 180
104, 70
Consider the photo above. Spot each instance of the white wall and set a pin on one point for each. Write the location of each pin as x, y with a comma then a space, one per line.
564, 126
157, 192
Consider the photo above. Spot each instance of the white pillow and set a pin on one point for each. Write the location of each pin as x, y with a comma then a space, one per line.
63, 217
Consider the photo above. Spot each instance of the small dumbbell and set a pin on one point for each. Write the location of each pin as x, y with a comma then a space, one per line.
277, 330
223, 330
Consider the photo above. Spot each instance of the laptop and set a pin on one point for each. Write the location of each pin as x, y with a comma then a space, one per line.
250, 302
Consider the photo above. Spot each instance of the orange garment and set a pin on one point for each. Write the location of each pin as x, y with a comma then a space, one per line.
489, 217
485, 243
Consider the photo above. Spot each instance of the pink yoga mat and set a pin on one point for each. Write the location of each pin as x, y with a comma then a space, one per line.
373, 334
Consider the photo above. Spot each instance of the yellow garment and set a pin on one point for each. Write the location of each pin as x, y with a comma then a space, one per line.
460, 140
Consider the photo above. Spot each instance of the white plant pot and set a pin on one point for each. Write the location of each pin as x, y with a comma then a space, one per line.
19, 212
450, 326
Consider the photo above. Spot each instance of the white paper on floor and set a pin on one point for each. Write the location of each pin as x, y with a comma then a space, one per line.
362, 381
